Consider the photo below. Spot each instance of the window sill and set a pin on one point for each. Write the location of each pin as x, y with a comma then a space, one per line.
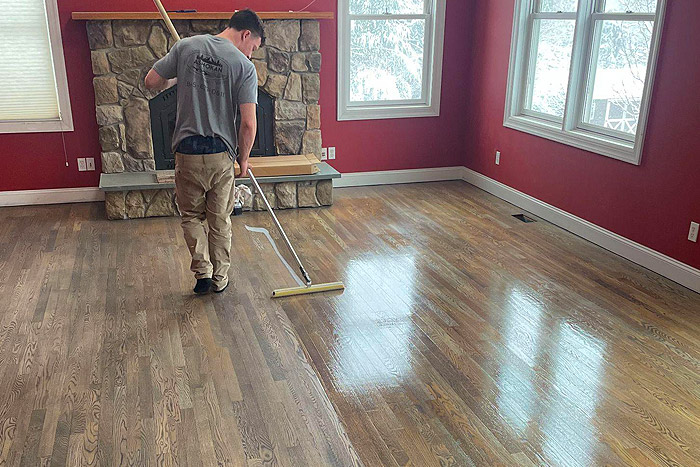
45, 126
599, 144
375, 112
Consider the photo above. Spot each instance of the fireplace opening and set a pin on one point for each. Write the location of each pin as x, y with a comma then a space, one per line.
163, 109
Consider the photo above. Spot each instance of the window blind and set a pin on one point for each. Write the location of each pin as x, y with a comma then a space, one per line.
27, 78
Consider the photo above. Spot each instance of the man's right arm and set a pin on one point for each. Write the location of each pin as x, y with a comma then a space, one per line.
164, 72
246, 134
155, 82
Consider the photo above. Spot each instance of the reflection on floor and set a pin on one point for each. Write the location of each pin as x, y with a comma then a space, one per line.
466, 336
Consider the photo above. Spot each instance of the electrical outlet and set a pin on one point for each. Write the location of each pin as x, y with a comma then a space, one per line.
90, 163
693, 235
331, 152
498, 157
81, 164
324, 154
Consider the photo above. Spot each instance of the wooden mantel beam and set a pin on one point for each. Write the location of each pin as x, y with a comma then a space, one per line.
108, 15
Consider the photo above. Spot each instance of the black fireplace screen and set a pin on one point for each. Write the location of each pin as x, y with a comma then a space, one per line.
163, 109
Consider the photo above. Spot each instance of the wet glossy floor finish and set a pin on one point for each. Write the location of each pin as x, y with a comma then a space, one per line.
465, 337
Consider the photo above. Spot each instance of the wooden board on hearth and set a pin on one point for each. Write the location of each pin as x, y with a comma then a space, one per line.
165, 176
275, 166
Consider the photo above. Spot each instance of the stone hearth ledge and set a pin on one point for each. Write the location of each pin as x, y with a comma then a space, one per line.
137, 195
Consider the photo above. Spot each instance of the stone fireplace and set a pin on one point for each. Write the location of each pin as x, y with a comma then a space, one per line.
133, 120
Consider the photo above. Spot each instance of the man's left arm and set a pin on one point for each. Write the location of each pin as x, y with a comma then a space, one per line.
247, 101
246, 135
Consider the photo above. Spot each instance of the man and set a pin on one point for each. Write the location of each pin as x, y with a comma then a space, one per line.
215, 77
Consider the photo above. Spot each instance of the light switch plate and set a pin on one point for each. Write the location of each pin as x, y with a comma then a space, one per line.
693, 235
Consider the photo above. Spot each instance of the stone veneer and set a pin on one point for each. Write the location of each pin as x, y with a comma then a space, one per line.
288, 66
137, 204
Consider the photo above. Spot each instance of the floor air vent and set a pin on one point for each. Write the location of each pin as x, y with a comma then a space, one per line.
524, 218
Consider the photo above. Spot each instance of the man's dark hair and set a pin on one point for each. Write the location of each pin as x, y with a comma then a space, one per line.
247, 19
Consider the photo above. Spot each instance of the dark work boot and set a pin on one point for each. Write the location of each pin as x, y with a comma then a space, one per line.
219, 290
203, 286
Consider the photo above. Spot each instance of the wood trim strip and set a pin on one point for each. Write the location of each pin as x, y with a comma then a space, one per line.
108, 15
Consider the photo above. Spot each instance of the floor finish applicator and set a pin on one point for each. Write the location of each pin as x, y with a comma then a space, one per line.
310, 287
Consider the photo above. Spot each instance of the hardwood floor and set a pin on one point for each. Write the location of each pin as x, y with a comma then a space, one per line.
107, 359
464, 337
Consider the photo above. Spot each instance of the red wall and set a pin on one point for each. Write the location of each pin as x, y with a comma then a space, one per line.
36, 161
652, 204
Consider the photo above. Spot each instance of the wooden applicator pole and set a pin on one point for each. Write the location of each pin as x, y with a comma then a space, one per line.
166, 18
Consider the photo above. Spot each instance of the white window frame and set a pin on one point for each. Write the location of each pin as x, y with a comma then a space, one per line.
572, 130
64, 122
429, 105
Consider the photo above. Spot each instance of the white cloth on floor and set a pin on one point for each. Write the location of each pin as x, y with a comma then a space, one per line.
241, 194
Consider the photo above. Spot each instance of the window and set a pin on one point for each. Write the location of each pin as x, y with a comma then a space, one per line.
33, 86
389, 58
581, 72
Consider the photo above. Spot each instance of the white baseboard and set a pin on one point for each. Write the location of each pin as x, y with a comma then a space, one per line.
391, 177
668, 267
52, 196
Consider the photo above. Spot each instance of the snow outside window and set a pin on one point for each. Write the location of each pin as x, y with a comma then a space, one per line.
389, 58
581, 72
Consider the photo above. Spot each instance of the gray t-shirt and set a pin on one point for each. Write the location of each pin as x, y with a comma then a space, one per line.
213, 79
